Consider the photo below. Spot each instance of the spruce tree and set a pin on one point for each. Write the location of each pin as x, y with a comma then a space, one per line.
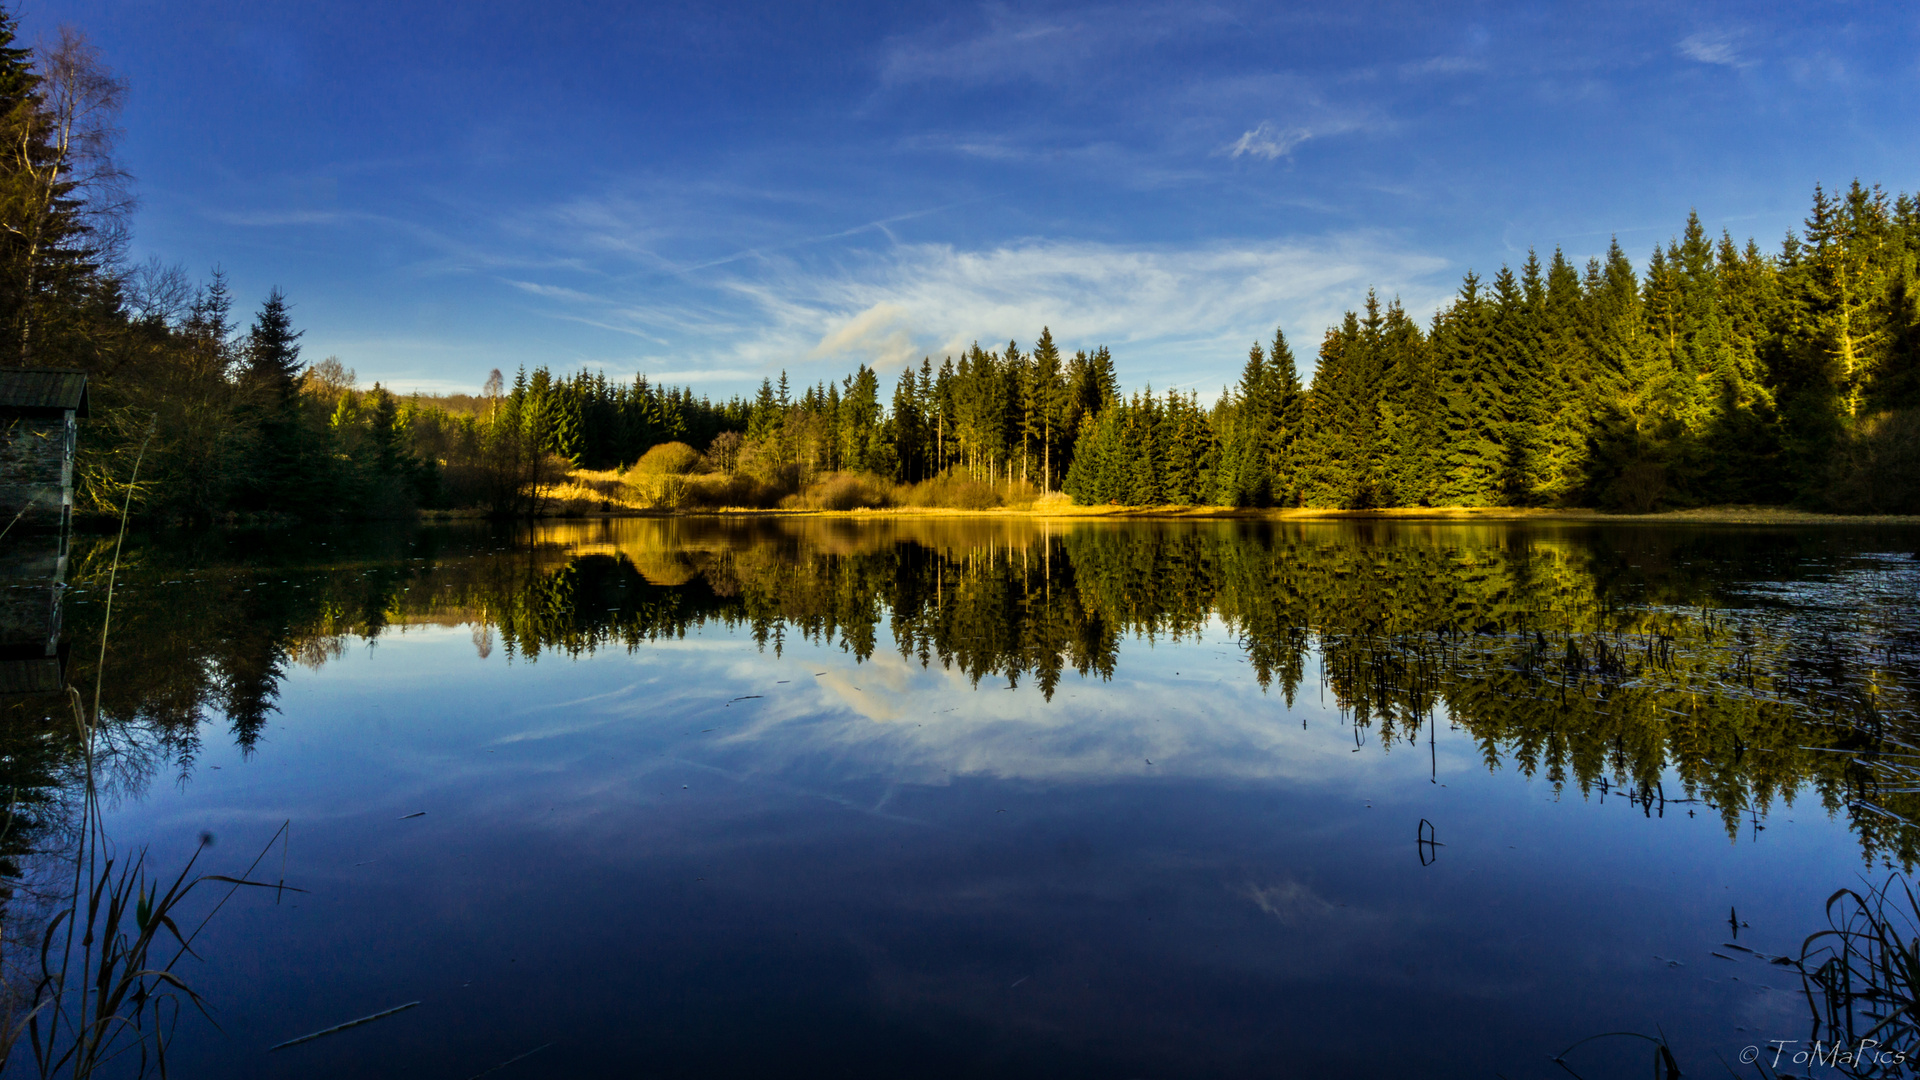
1409, 415
1044, 399
273, 351
1506, 392
271, 380
1330, 474
1566, 392
1472, 453
1286, 422
1252, 481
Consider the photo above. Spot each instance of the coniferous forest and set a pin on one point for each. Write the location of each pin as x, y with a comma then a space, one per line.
1717, 373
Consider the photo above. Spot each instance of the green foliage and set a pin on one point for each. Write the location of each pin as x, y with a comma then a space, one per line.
1720, 374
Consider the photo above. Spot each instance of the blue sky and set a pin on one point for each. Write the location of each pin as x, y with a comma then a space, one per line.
711, 193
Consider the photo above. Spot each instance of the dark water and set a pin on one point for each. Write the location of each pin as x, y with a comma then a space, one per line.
984, 797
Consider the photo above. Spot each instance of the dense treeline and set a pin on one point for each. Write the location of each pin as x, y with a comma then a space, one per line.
1719, 374
999, 415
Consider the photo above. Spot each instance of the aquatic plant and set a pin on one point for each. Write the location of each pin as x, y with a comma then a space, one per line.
1862, 975
105, 985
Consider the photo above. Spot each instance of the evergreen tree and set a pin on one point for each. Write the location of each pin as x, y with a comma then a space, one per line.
1567, 401
273, 351
1251, 480
1045, 399
1285, 426
1473, 453
1409, 413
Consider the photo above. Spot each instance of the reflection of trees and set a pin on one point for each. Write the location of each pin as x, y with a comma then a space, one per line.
1599, 659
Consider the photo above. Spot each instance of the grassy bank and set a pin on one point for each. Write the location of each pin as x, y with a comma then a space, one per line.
639, 492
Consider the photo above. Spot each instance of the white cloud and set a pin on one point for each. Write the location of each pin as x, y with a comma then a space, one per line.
998, 44
552, 292
1268, 141
880, 334
1444, 65
1167, 311
1714, 47
697, 373
984, 55
1175, 314
276, 219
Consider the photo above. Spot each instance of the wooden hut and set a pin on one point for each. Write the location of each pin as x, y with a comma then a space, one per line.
39, 408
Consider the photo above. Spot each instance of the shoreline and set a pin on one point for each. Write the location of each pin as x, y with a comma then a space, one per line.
1706, 515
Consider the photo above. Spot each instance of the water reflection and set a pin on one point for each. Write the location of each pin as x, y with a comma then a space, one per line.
1122, 797
1748, 666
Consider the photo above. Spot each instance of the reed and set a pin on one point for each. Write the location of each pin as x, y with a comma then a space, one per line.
1862, 974
104, 988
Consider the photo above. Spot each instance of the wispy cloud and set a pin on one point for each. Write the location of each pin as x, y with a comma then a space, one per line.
882, 333
998, 44
691, 374
554, 292
1302, 101
1714, 47
273, 219
1443, 65
1267, 141
984, 53
1175, 314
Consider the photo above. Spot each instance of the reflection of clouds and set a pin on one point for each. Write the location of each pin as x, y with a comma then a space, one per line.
1290, 902
882, 689
888, 717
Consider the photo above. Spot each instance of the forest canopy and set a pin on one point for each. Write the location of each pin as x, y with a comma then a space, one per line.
1717, 373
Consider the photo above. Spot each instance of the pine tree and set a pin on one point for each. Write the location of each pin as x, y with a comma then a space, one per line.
1566, 390
1044, 401
1251, 483
1286, 422
1473, 453
271, 380
1508, 391
1409, 413
908, 430
273, 351
1743, 442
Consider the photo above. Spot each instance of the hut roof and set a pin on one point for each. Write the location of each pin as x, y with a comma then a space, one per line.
42, 390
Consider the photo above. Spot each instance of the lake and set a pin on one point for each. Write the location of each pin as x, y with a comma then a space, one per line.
997, 796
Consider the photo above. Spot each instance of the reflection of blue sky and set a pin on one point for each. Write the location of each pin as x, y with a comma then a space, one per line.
934, 843
1192, 709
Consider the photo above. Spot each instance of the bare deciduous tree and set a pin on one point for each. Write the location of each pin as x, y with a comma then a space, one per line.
329, 379
158, 292
68, 192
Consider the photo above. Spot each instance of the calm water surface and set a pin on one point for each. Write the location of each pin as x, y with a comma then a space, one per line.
986, 797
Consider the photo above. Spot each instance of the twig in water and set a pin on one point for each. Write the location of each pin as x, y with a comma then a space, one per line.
509, 1061
343, 1027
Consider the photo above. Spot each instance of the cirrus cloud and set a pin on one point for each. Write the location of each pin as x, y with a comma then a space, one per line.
1178, 316
1267, 141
